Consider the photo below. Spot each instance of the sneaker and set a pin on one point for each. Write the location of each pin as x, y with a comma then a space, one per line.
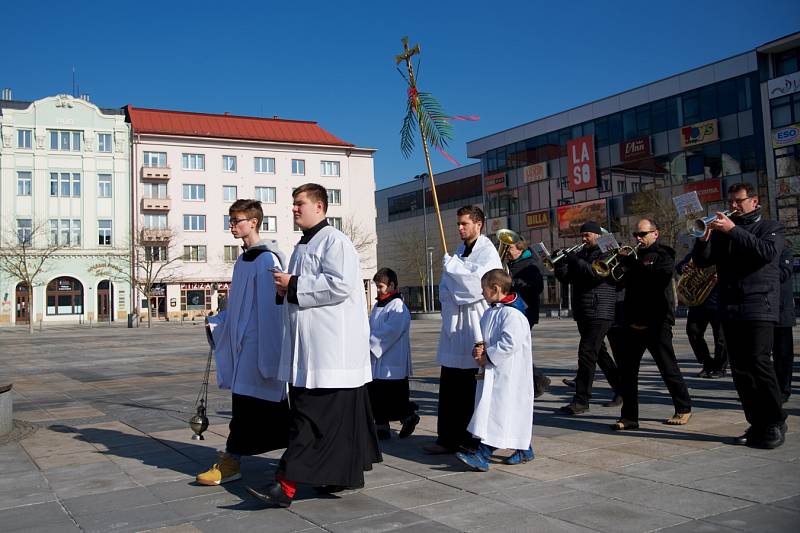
225, 470
409, 424
540, 386
271, 494
716, 374
573, 409
383, 432
475, 461
704, 374
520, 456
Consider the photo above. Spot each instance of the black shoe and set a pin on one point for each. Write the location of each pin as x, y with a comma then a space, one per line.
716, 374
540, 386
271, 494
705, 374
409, 424
742, 440
784, 398
616, 402
772, 438
568, 382
573, 409
784, 428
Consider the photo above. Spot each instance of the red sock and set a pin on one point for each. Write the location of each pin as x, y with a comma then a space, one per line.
288, 487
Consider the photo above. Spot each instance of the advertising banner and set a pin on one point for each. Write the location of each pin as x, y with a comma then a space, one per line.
635, 149
786, 136
495, 182
571, 217
538, 219
700, 133
784, 85
582, 173
537, 172
708, 191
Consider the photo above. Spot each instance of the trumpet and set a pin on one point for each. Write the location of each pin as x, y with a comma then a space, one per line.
611, 265
698, 226
558, 255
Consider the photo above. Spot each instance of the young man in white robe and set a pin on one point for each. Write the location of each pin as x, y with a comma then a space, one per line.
462, 307
247, 340
390, 347
325, 359
504, 399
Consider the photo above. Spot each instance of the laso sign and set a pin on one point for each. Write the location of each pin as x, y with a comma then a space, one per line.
700, 133
786, 136
580, 158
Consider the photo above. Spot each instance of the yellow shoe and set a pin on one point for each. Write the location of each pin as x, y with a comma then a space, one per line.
226, 469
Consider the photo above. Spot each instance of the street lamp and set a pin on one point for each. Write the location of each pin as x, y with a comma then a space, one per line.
430, 276
421, 178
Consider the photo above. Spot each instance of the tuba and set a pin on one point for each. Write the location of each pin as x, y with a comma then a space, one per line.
506, 238
696, 284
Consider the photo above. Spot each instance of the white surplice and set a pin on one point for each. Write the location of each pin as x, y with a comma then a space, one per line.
389, 340
503, 415
462, 302
326, 340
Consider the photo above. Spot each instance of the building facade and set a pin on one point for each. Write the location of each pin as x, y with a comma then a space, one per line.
65, 188
189, 168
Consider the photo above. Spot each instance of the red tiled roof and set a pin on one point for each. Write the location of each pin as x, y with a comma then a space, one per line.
167, 122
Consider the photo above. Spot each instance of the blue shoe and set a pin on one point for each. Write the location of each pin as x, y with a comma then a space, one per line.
474, 460
519, 457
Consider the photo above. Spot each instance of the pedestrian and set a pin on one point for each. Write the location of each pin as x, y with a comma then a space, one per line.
783, 344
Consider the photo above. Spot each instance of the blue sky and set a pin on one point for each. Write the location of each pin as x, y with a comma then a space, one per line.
333, 62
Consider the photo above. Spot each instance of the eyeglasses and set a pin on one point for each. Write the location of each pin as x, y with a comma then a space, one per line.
739, 201
642, 234
232, 222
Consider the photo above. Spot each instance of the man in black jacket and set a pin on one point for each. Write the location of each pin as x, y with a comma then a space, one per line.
649, 316
528, 283
783, 344
593, 299
746, 249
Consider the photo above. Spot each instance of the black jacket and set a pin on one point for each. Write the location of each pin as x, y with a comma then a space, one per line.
527, 282
649, 293
593, 297
747, 260
786, 318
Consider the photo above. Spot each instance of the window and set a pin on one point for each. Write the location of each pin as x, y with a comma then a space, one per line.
229, 163
65, 232
194, 222
65, 184
104, 185
329, 168
65, 141
336, 222
334, 196
193, 161
787, 161
193, 191
103, 142
24, 231
194, 253
155, 190
155, 221
635, 186
229, 193
265, 165
104, 232
24, 184
155, 254
269, 224
64, 297
620, 186
265, 195
231, 253
155, 159
298, 167
24, 138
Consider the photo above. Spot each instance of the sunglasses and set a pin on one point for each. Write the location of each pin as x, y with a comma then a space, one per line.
642, 234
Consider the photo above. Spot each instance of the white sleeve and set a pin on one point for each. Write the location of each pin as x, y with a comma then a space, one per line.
395, 323
464, 278
336, 280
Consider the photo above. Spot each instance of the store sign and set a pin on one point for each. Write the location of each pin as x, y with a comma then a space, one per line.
493, 225
210, 286
538, 219
707, 191
537, 172
64, 285
784, 85
700, 133
786, 136
495, 182
580, 160
571, 217
635, 149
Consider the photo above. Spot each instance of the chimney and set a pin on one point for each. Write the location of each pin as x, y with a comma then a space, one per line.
86, 97
6, 93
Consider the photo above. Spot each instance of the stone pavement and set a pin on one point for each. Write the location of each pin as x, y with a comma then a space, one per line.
113, 451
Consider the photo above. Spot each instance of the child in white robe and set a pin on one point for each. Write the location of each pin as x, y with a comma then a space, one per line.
503, 415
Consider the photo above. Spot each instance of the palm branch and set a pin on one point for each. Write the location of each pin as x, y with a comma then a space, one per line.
425, 111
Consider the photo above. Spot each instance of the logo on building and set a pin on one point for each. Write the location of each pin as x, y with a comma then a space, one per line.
707, 191
783, 86
700, 133
635, 149
537, 172
538, 219
493, 225
580, 158
494, 182
786, 136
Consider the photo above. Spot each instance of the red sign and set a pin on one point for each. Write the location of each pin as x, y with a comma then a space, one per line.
707, 191
580, 158
635, 149
494, 182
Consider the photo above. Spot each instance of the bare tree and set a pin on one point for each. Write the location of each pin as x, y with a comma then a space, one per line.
26, 254
151, 261
363, 240
657, 204
410, 247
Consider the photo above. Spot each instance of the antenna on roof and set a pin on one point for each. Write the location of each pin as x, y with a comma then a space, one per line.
74, 83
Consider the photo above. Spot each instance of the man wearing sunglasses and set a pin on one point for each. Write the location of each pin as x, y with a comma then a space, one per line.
746, 249
649, 317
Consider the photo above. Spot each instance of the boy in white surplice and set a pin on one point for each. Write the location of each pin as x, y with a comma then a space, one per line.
503, 415
247, 348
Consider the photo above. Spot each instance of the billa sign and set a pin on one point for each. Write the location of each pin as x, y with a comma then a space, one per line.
700, 133
580, 160
537, 172
494, 182
707, 191
786, 136
635, 149
538, 219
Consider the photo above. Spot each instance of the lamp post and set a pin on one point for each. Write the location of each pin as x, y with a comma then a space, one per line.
430, 277
426, 306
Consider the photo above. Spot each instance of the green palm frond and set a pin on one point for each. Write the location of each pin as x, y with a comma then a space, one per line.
408, 132
433, 121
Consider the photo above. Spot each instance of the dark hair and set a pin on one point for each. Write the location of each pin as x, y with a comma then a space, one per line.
652, 223
743, 186
521, 245
499, 277
385, 275
315, 193
475, 213
250, 208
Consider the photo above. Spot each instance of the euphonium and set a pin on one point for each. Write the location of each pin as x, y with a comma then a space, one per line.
558, 255
696, 284
506, 238
697, 227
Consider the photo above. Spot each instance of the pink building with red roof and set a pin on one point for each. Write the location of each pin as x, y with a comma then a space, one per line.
189, 167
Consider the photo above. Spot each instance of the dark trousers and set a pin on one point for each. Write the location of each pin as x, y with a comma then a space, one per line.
697, 322
257, 426
389, 399
591, 352
749, 347
783, 358
538, 373
658, 341
456, 405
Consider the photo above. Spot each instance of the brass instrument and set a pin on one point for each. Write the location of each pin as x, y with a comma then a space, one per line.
696, 284
697, 226
558, 255
506, 239
611, 266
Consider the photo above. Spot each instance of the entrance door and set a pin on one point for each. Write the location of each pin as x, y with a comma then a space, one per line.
105, 301
24, 302
158, 307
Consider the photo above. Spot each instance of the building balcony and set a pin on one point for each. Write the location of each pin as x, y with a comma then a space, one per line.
156, 204
156, 235
156, 173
